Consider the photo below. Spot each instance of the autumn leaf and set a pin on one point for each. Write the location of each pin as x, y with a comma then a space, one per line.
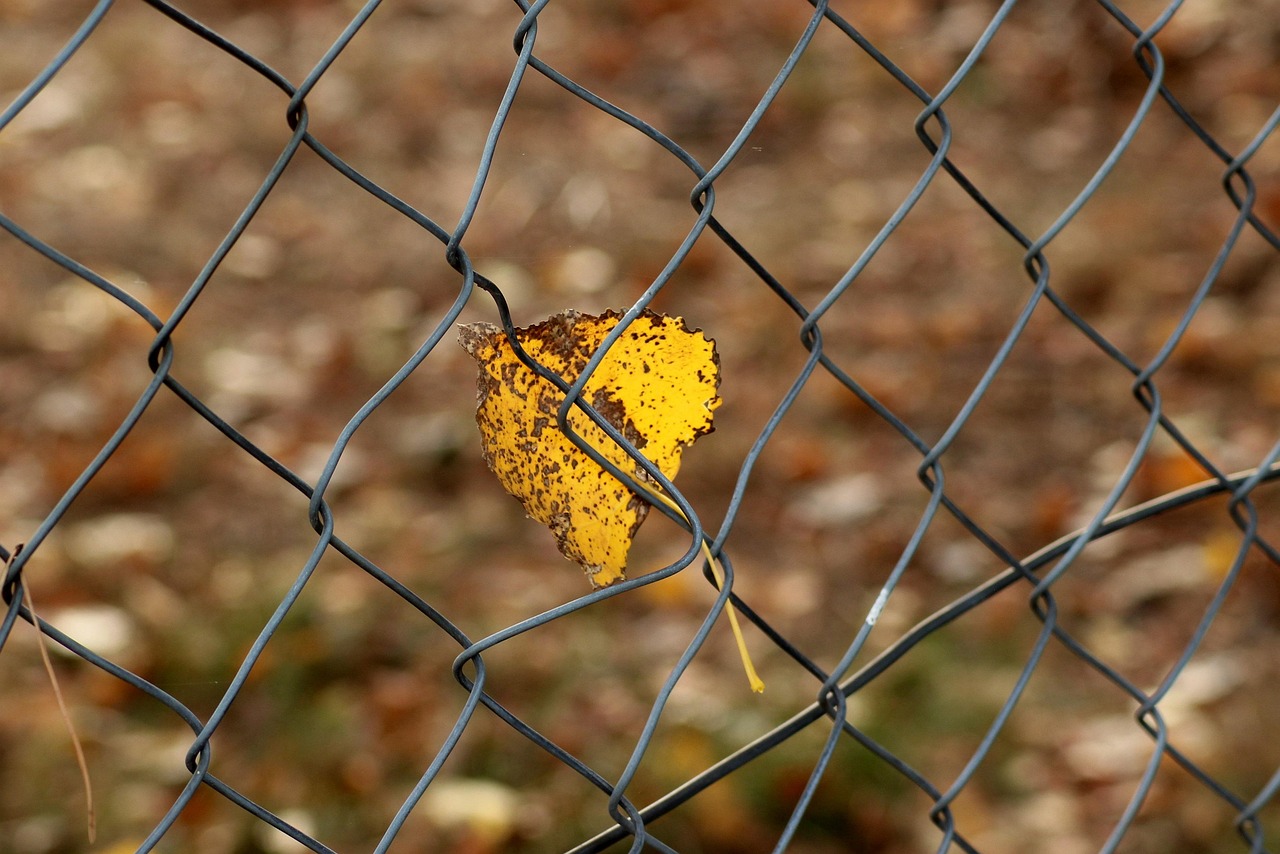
657, 385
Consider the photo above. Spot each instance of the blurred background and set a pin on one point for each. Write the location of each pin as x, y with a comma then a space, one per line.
142, 151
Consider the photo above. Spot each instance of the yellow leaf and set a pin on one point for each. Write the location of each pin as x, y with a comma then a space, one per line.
657, 385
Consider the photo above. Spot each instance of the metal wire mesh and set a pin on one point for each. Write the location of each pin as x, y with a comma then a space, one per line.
823, 663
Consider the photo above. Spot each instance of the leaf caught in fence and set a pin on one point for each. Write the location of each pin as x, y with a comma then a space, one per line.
657, 385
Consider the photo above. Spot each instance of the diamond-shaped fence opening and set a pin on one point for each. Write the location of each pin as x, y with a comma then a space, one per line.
996, 297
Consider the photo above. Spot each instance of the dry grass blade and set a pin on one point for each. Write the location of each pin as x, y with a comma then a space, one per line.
90, 818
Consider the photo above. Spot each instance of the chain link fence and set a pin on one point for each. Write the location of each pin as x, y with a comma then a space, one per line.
997, 299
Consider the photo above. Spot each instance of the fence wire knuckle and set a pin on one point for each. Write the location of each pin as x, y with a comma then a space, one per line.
903, 685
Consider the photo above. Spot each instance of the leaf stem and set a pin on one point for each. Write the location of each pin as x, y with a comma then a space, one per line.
757, 684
